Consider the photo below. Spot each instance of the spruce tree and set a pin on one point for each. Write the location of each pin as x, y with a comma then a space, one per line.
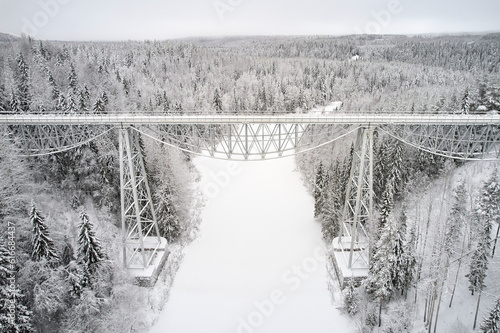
53, 84
89, 251
465, 107
42, 244
98, 106
399, 265
319, 184
386, 205
72, 80
488, 207
491, 324
67, 253
456, 219
23, 84
168, 222
479, 260
21, 319
379, 282
217, 102
351, 298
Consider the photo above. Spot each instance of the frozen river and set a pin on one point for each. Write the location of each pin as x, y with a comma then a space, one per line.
258, 264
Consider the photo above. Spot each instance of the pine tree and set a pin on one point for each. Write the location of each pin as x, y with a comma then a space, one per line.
331, 212
465, 107
399, 265
386, 205
319, 188
479, 260
23, 84
84, 100
491, 324
409, 263
43, 246
488, 207
217, 102
397, 168
4, 103
89, 251
76, 277
55, 88
379, 282
67, 253
72, 80
351, 298
98, 106
380, 170
456, 219
168, 222
21, 320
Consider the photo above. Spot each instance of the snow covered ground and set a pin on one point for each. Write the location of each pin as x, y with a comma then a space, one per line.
258, 264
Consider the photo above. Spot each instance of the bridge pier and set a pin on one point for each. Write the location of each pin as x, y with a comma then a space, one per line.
144, 251
351, 248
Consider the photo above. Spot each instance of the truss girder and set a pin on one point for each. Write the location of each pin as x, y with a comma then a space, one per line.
468, 142
43, 139
140, 234
249, 141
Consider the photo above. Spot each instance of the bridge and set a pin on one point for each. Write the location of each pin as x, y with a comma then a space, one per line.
253, 137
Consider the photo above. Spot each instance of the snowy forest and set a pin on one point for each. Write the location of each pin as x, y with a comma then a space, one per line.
434, 238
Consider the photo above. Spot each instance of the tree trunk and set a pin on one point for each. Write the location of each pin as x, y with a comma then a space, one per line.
495, 243
441, 293
477, 308
380, 313
458, 269
431, 308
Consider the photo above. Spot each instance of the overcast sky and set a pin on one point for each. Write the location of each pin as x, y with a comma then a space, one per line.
164, 19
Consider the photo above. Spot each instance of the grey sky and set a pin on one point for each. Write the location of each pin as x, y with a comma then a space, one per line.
157, 19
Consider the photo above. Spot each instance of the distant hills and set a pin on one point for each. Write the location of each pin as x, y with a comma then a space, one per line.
7, 37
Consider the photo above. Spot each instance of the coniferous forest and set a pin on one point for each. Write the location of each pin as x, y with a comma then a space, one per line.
437, 220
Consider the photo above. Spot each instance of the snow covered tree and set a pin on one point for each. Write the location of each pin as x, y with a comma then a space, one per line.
23, 83
379, 282
465, 107
84, 99
319, 190
333, 201
21, 320
380, 170
89, 251
397, 171
408, 263
399, 268
72, 80
168, 221
217, 102
76, 278
43, 246
67, 253
351, 298
98, 106
55, 89
479, 260
488, 206
456, 219
491, 324
386, 205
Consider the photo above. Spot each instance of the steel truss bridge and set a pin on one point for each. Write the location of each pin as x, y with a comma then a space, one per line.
253, 137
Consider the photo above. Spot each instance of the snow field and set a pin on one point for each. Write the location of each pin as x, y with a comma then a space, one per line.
259, 262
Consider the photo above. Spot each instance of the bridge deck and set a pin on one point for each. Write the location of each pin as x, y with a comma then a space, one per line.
340, 119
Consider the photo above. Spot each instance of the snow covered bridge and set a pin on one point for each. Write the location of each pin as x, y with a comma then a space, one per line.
250, 137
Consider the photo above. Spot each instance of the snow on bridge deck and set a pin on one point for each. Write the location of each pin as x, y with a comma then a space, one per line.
338, 118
